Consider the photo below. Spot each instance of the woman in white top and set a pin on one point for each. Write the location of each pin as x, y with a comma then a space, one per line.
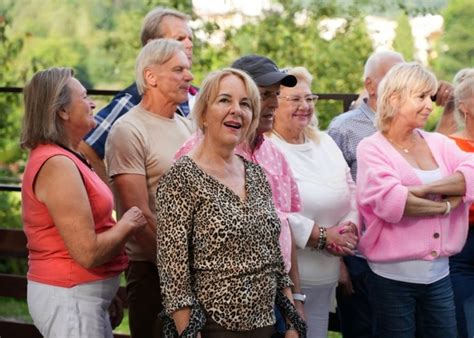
325, 228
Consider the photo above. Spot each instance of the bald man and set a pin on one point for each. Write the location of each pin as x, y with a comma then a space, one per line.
347, 130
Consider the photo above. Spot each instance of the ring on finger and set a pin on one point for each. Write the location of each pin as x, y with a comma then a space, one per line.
349, 245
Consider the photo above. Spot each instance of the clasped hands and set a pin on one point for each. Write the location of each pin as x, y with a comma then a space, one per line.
342, 239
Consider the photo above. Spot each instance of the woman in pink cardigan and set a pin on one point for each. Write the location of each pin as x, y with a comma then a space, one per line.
413, 191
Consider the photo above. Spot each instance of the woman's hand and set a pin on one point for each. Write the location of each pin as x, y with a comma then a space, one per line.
134, 219
418, 190
342, 239
292, 333
116, 312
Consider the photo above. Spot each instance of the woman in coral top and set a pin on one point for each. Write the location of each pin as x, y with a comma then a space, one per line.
414, 189
75, 246
462, 265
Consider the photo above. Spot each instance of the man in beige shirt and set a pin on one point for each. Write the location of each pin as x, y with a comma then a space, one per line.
139, 150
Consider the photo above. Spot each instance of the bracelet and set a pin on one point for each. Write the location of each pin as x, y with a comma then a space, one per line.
322, 238
448, 207
300, 297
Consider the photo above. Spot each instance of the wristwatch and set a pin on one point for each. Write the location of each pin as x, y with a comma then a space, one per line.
301, 297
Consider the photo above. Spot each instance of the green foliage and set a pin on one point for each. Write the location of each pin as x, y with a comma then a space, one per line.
404, 42
10, 48
456, 48
292, 38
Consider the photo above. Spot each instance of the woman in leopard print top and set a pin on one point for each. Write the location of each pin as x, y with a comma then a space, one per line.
219, 258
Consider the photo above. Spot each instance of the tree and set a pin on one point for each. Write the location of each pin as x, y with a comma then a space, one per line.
404, 42
290, 36
456, 48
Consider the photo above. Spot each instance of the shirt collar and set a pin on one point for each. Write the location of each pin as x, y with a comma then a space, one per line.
368, 112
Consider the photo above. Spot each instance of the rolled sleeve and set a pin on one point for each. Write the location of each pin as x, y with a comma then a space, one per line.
353, 214
302, 228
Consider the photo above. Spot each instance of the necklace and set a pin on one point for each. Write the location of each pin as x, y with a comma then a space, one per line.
78, 155
406, 150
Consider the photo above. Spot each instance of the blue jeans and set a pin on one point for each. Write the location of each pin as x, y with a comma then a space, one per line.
356, 312
462, 277
403, 308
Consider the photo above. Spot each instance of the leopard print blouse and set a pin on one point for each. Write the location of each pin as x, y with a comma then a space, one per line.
217, 250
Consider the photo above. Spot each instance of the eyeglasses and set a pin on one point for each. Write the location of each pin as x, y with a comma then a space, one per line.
298, 100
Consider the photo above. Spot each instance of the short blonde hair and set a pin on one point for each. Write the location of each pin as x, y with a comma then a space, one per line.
44, 96
156, 52
402, 80
302, 74
151, 28
462, 92
210, 89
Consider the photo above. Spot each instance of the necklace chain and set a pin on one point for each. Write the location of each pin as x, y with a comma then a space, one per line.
406, 150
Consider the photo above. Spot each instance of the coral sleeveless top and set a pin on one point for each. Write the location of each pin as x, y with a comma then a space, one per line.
48, 259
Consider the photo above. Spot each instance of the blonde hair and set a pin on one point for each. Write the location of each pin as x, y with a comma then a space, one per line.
462, 92
44, 96
402, 80
156, 52
151, 28
210, 89
302, 74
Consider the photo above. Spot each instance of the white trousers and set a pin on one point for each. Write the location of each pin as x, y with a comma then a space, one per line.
79, 312
319, 301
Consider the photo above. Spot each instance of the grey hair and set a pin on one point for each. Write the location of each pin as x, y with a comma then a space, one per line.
376, 60
462, 92
156, 52
462, 75
151, 28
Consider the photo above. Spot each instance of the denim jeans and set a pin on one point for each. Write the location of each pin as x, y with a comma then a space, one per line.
403, 308
356, 312
462, 278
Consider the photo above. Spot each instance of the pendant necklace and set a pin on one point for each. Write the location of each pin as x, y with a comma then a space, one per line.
406, 150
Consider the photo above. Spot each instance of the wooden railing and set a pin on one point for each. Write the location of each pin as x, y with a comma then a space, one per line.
13, 245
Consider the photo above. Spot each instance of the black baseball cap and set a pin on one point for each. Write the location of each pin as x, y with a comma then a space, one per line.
263, 71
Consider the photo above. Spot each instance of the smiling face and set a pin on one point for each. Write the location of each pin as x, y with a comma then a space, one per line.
293, 114
414, 111
229, 114
77, 115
